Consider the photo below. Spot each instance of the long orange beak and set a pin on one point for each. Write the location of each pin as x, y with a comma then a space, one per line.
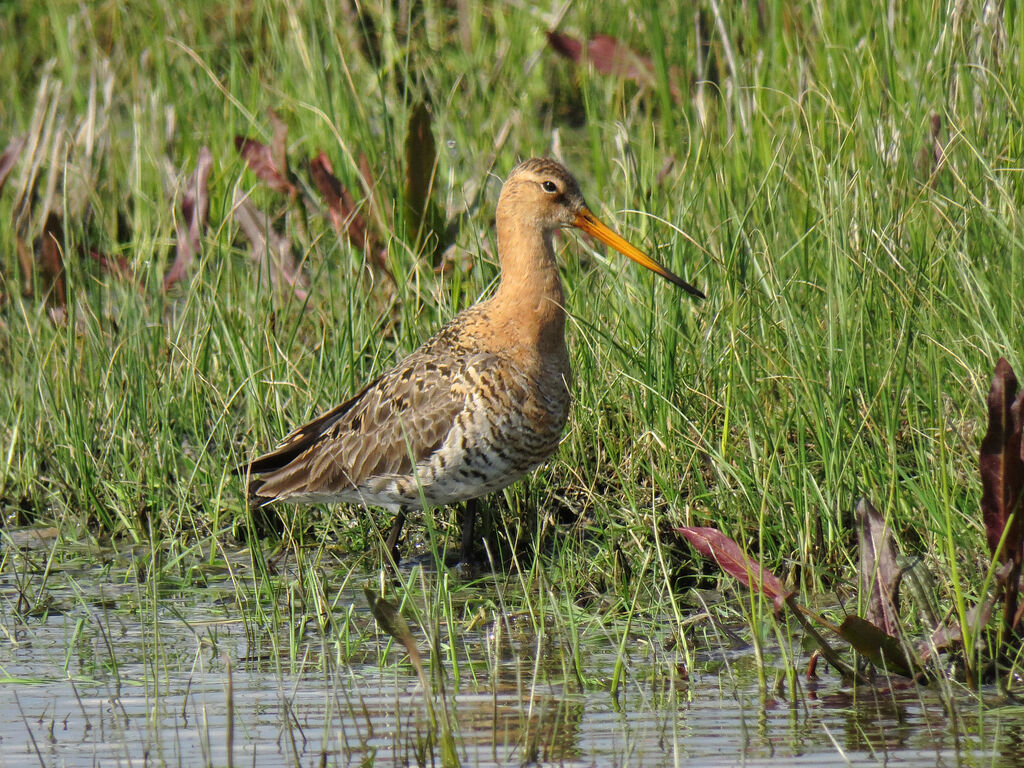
589, 223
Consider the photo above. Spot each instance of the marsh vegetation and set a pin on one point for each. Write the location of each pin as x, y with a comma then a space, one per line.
219, 220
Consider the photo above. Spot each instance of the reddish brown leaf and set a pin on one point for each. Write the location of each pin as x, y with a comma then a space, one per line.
9, 158
367, 173
378, 253
812, 665
950, 634
607, 55
566, 45
1002, 466
271, 250
938, 146
260, 159
341, 206
883, 650
26, 264
195, 206
931, 157
731, 558
50, 250
278, 142
117, 266
420, 162
879, 572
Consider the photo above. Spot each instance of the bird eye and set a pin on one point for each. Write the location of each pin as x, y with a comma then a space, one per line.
549, 186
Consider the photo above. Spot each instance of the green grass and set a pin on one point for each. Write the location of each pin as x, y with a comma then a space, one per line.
858, 298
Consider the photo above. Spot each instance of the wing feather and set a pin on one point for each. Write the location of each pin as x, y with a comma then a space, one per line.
398, 420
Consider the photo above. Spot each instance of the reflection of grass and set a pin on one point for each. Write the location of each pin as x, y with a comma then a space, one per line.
159, 665
859, 292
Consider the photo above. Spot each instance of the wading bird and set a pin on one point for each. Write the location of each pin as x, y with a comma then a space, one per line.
475, 408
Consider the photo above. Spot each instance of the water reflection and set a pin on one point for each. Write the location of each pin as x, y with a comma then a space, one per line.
106, 674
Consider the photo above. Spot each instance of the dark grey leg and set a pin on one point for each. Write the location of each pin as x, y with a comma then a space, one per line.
468, 525
391, 543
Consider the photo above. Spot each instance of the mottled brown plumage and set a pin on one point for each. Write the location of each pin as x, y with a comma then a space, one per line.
476, 407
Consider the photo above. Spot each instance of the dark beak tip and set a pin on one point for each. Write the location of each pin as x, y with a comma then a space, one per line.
690, 289
694, 291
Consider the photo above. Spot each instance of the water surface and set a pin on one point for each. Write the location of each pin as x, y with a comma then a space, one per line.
101, 667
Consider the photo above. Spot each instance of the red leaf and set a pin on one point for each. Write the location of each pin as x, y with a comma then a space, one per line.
260, 159
195, 205
731, 558
345, 216
1002, 466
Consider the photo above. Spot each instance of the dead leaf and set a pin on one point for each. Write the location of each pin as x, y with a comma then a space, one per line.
610, 57
195, 206
420, 164
950, 634
341, 206
607, 55
271, 250
932, 155
346, 216
278, 142
50, 257
117, 266
879, 571
261, 160
10, 157
26, 264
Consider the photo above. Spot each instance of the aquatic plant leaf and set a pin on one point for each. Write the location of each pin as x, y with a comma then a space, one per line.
879, 571
882, 649
1002, 467
195, 206
393, 622
731, 558
271, 250
261, 160
950, 635
341, 206
10, 157
420, 162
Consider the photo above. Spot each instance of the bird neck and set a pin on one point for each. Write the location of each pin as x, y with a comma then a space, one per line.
530, 296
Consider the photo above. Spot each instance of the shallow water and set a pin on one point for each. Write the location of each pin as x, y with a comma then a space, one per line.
105, 672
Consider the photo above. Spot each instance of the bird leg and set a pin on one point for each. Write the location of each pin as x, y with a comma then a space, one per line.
391, 543
468, 524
